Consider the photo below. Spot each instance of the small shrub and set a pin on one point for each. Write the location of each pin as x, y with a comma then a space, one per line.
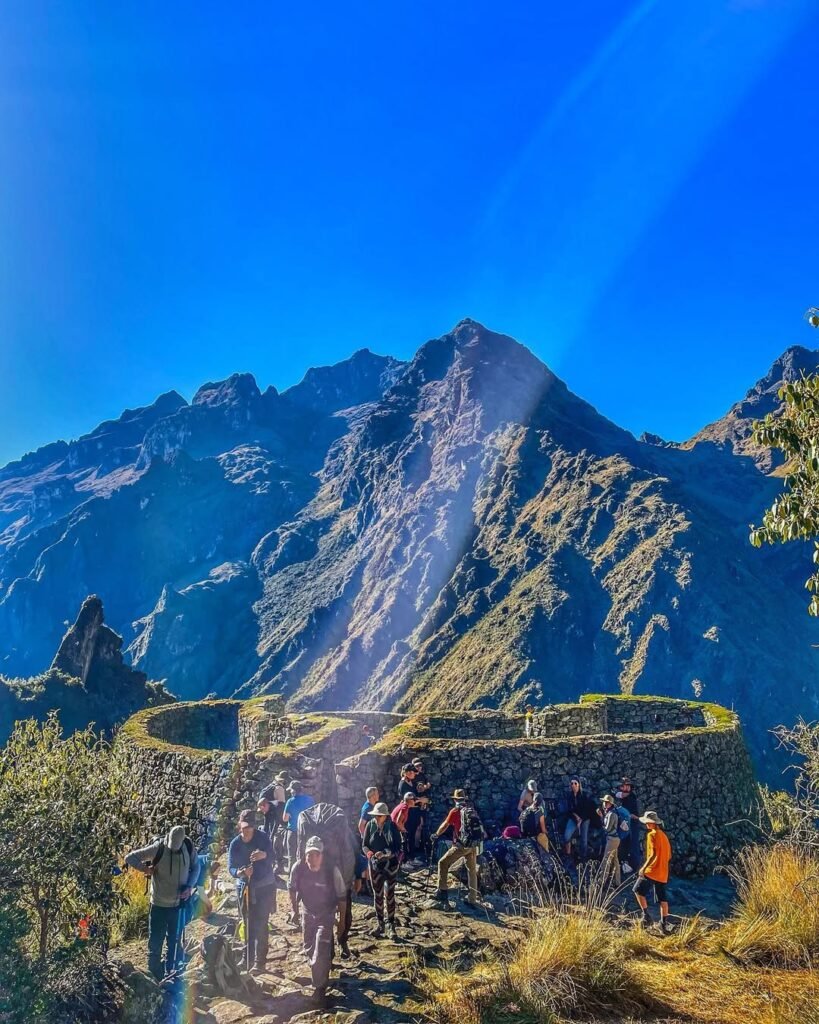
131, 918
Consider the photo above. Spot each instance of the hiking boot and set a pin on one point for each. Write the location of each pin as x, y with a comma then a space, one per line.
391, 932
439, 900
345, 950
320, 995
256, 970
378, 931
645, 921
666, 927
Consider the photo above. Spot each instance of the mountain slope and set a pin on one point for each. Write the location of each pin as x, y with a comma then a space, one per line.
459, 530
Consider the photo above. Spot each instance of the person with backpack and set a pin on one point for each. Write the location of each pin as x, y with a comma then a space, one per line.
297, 803
399, 817
527, 795
468, 833
533, 822
382, 846
654, 871
611, 830
321, 890
250, 862
172, 865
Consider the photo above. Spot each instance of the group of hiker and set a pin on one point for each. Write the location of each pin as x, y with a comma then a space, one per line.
283, 832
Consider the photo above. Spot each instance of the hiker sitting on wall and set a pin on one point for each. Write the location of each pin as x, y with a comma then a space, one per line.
250, 861
172, 866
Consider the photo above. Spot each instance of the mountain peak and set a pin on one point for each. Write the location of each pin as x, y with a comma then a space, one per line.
237, 389
364, 377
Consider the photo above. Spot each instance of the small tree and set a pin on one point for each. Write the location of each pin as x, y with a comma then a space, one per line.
62, 826
794, 431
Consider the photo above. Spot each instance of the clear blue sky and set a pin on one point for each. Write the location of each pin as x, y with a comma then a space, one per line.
191, 189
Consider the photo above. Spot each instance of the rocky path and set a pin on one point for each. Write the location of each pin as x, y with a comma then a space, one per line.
374, 985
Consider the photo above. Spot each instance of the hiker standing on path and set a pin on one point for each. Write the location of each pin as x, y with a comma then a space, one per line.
399, 817
322, 891
580, 810
372, 795
407, 785
611, 830
423, 801
655, 870
297, 803
533, 822
173, 868
250, 861
468, 834
382, 845
630, 845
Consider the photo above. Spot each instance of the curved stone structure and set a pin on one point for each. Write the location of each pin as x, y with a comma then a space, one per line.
204, 761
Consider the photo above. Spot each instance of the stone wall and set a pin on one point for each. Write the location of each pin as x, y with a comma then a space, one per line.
696, 771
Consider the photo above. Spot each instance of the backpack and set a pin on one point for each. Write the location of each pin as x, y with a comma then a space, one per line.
471, 831
624, 824
221, 968
530, 821
187, 844
330, 824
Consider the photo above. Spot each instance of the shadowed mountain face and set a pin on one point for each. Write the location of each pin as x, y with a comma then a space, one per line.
459, 530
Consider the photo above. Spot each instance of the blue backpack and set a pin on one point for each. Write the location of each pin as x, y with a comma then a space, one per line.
624, 822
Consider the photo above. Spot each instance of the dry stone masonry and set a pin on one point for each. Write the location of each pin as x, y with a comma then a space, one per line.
203, 762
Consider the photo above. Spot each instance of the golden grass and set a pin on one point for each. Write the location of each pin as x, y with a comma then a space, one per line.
131, 917
776, 919
755, 968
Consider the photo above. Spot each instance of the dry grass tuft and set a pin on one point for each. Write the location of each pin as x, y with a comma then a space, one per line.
776, 919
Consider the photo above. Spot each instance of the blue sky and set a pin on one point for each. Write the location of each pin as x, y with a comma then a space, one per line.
191, 189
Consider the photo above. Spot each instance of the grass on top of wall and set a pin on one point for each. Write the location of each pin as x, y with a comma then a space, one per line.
135, 730
721, 716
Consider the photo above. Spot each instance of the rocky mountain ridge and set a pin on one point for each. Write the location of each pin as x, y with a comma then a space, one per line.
457, 530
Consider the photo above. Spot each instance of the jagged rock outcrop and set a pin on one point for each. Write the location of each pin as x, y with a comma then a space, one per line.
88, 681
457, 530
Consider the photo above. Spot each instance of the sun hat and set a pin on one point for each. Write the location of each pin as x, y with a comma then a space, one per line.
314, 843
531, 784
459, 794
607, 799
650, 817
417, 760
379, 809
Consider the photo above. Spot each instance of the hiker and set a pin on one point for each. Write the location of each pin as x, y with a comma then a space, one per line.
322, 891
580, 809
371, 793
527, 729
527, 795
630, 851
407, 785
399, 815
382, 846
611, 830
172, 866
275, 796
250, 861
423, 790
468, 833
655, 870
533, 822
297, 803
367, 735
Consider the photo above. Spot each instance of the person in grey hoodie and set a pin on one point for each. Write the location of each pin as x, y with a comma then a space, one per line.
173, 867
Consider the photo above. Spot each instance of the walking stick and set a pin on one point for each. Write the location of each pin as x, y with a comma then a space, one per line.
246, 907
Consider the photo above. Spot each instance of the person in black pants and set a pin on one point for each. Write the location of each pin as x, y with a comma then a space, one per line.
628, 799
382, 845
413, 822
250, 861
321, 890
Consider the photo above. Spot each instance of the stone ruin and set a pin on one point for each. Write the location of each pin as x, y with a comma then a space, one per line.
202, 762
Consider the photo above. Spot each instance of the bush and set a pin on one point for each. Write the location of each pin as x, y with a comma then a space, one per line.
776, 919
133, 905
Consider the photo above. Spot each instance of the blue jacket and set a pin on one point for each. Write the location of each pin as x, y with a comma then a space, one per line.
239, 857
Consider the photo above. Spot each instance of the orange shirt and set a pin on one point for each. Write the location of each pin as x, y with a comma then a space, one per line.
658, 855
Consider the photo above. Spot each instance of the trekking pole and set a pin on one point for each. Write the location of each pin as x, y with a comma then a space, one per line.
246, 907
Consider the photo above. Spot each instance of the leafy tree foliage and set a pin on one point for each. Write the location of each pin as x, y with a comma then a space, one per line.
794, 431
62, 826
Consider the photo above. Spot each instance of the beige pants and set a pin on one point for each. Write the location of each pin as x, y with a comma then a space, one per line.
543, 840
452, 856
611, 862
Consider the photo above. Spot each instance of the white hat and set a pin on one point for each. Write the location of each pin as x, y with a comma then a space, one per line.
314, 843
378, 810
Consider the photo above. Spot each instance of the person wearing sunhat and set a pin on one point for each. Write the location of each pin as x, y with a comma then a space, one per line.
611, 830
321, 890
250, 861
382, 846
655, 870
467, 833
